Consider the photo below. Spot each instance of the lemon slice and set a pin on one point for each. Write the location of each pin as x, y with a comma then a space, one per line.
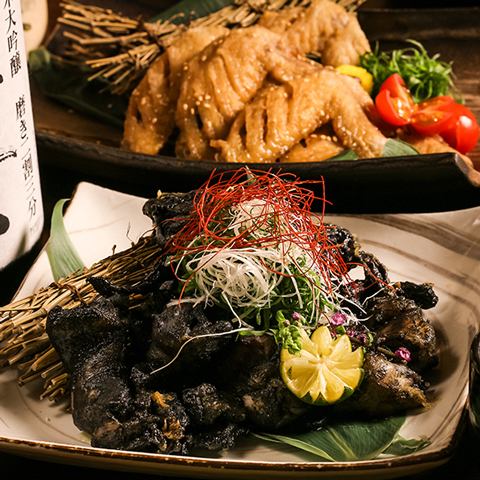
325, 371
365, 77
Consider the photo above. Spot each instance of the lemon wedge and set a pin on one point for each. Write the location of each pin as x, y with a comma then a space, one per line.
325, 371
365, 77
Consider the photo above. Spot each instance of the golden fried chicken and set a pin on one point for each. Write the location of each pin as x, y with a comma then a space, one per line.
150, 117
325, 28
282, 115
436, 144
222, 79
426, 145
315, 148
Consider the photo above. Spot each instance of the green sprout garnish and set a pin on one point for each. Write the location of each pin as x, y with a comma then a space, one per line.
426, 76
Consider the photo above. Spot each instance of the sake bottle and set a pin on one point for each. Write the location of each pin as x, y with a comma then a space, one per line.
21, 210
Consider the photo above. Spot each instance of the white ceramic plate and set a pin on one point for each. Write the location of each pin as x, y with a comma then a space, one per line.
442, 248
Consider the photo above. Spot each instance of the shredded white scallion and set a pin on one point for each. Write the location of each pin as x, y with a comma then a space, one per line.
253, 278
241, 275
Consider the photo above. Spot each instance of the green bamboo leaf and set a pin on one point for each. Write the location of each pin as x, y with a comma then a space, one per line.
352, 440
62, 254
187, 10
398, 148
404, 446
295, 442
345, 155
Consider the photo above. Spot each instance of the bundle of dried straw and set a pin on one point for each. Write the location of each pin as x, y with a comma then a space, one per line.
23, 340
119, 49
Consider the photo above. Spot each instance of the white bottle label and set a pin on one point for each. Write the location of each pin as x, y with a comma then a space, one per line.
21, 210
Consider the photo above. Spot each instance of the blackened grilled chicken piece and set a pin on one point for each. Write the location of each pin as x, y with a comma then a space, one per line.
376, 275
399, 322
243, 355
100, 390
158, 423
422, 294
268, 403
358, 291
220, 437
346, 243
168, 213
207, 406
387, 389
95, 346
74, 332
218, 419
174, 326
158, 283
253, 376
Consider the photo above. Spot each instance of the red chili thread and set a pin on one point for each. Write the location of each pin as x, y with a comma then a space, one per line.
287, 204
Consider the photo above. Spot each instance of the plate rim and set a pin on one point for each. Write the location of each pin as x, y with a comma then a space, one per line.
436, 456
89, 149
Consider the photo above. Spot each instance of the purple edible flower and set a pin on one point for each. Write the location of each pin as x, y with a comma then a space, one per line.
362, 338
404, 354
296, 316
338, 318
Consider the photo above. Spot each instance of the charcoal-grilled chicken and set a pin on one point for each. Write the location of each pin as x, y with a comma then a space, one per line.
169, 376
400, 322
388, 388
168, 212
173, 327
95, 345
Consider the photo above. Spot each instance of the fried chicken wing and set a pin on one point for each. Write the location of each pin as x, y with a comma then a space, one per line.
436, 144
315, 148
148, 120
222, 79
282, 115
150, 116
427, 144
325, 28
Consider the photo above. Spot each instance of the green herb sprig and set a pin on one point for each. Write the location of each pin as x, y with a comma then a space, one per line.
426, 76
286, 333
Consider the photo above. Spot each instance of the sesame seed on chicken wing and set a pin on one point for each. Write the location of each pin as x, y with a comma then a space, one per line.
282, 115
218, 83
150, 117
317, 147
325, 28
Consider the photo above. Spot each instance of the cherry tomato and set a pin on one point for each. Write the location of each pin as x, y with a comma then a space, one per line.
396, 85
433, 116
440, 115
394, 102
462, 130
